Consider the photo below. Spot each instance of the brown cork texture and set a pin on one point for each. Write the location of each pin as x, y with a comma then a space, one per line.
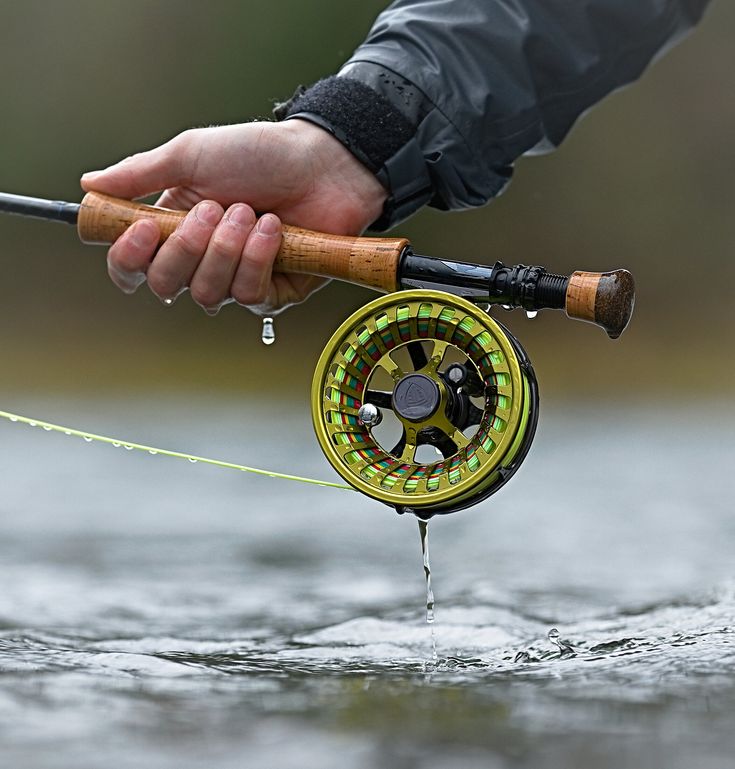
103, 219
581, 293
370, 262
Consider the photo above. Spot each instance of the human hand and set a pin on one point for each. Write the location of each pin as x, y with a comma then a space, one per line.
222, 251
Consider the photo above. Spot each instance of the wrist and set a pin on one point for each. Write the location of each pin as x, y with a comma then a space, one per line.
354, 184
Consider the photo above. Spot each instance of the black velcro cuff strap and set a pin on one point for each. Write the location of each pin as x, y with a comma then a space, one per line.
368, 122
375, 131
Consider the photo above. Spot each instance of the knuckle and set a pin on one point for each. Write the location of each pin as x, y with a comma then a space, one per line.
120, 262
181, 242
162, 283
187, 135
258, 260
250, 295
123, 261
183, 137
182, 140
205, 296
224, 243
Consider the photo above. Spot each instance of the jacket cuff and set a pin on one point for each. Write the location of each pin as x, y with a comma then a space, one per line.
379, 130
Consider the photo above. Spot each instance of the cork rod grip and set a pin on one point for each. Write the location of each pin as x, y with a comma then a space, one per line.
603, 298
370, 262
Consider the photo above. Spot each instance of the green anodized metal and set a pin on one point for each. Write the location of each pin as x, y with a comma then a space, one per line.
407, 340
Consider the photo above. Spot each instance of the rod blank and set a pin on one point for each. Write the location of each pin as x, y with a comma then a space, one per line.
54, 210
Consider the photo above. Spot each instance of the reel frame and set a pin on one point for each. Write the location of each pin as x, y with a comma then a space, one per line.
431, 408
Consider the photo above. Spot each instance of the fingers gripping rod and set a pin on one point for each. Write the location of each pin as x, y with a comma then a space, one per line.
383, 264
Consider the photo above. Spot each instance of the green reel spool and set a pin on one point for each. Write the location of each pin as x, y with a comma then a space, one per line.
424, 402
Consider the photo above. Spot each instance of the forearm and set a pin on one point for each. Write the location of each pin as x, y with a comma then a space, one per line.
462, 88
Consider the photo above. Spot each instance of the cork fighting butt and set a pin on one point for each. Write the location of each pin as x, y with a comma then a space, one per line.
603, 298
369, 262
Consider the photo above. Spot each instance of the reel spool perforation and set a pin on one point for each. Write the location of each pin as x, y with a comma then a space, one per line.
423, 327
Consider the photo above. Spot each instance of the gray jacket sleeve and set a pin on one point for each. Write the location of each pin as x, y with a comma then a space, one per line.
444, 95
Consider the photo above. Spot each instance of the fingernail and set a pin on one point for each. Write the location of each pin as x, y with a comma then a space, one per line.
241, 215
207, 213
90, 175
267, 225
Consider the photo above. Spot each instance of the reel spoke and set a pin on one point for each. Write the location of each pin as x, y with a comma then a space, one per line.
408, 455
388, 364
438, 351
379, 398
418, 355
440, 440
451, 432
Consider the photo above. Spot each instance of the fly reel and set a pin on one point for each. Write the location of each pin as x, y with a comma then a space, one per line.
424, 402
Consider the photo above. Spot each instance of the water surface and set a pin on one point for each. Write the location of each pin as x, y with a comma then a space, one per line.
161, 614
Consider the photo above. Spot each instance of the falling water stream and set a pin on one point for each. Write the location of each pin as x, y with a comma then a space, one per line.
424, 534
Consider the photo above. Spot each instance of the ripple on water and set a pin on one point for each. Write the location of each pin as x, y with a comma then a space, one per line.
661, 641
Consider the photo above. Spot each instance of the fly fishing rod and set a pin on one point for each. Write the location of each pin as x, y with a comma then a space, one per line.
420, 399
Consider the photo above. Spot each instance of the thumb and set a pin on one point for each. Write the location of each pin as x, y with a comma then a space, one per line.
141, 174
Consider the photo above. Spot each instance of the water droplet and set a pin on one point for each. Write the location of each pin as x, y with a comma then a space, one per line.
127, 447
192, 460
565, 648
152, 451
46, 428
32, 424
268, 334
87, 438
13, 419
168, 302
67, 432
531, 314
116, 444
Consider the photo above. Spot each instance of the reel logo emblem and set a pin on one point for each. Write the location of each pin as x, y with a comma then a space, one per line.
416, 397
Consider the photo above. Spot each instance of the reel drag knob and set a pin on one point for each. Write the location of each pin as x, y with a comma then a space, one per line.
422, 401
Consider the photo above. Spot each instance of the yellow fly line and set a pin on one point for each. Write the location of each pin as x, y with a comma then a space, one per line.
117, 442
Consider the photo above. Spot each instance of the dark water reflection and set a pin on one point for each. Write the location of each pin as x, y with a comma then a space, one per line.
159, 614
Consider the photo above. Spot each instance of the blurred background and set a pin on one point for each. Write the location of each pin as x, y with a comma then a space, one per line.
644, 181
